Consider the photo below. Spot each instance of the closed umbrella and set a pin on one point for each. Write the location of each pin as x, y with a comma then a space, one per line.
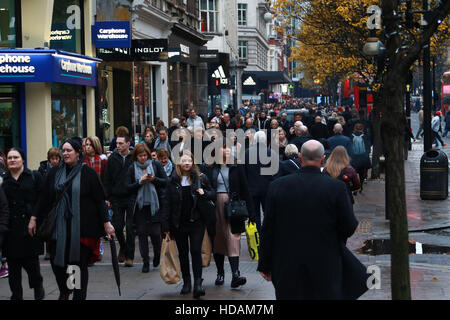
115, 263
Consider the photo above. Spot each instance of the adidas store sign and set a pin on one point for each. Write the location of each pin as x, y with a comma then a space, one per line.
220, 74
249, 82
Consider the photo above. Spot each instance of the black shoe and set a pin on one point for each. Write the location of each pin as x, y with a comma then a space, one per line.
156, 261
39, 293
198, 289
238, 280
220, 279
146, 267
187, 287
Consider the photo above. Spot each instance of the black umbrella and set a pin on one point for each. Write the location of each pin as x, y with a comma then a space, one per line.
115, 263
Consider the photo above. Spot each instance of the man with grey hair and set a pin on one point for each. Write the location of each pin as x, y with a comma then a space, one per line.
340, 140
302, 135
291, 164
313, 212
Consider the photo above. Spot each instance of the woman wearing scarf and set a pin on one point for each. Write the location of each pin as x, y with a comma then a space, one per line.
81, 221
94, 156
147, 180
164, 157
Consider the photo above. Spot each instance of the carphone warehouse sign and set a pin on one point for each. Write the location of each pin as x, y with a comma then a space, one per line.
47, 66
111, 34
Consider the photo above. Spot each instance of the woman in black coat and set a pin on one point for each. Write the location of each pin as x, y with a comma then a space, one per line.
82, 218
185, 221
228, 179
146, 177
22, 188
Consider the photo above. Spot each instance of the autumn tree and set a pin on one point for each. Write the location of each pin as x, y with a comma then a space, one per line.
340, 27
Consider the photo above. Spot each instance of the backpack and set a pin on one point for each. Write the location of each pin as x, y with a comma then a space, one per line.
359, 146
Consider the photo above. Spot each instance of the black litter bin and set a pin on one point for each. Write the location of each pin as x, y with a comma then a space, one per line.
434, 175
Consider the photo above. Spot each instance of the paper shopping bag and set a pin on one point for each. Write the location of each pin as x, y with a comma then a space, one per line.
206, 250
170, 270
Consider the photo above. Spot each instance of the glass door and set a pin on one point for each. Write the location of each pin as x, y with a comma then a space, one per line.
9, 117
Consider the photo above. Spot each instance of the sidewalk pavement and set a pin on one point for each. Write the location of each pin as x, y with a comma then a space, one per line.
430, 273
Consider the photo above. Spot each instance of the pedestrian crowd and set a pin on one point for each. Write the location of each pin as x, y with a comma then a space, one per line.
156, 186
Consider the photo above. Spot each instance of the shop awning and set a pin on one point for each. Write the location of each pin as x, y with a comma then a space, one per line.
47, 65
272, 77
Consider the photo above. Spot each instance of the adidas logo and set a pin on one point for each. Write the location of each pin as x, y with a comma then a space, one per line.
220, 74
249, 82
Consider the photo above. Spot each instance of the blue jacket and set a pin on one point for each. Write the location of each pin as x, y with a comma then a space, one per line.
340, 140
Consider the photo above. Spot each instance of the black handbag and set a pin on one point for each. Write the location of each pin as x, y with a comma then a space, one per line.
45, 230
235, 209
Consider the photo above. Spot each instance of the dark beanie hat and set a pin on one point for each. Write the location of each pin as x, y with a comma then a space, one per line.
76, 143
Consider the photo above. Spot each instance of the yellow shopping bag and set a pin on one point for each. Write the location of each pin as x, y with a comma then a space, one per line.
252, 240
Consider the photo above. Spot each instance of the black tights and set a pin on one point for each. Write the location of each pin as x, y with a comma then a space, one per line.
62, 276
220, 261
190, 238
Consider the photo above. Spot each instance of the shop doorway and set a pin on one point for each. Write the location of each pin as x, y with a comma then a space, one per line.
9, 117
122, 99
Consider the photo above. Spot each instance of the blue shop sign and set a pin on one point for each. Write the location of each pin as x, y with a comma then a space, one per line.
111, 34
21, 65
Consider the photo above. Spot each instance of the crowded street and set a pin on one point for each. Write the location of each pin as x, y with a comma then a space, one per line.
213, 150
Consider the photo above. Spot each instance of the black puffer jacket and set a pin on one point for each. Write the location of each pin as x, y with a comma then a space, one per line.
174, 194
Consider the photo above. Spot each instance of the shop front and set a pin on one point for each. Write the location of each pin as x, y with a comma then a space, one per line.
132, 87
258, 86
220, 92
64, 76
188, 77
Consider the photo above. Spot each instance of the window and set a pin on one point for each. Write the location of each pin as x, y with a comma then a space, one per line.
67, 26
7, 24
208, 9
67, 112
242, 14
242, 50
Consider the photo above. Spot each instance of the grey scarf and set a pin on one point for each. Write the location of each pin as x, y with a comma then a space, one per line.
147, 194
162, 144
67, 210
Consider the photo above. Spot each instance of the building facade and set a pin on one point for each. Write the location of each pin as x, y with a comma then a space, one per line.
260, 51
47, 94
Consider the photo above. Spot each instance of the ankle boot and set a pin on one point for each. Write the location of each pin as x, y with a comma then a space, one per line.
187, 286
146, 267
39, 293
220, 279
237, 280
198, 289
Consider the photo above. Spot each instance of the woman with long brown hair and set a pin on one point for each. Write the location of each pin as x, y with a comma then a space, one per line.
338, 167
228, 179
185, 222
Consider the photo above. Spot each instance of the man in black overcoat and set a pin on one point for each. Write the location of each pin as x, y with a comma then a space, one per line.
308, 220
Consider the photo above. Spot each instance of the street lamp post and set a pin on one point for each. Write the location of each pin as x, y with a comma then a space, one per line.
426, 91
